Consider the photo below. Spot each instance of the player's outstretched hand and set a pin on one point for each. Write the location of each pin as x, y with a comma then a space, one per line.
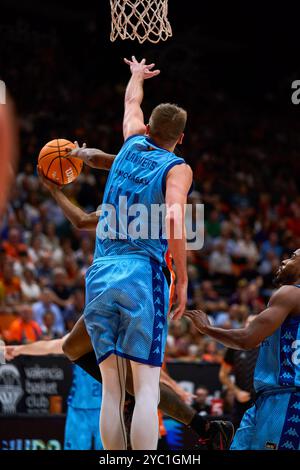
199, 318
50, 185
75, 152
10, 352
136, 67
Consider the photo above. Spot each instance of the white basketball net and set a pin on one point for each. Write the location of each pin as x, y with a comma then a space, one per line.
144, 20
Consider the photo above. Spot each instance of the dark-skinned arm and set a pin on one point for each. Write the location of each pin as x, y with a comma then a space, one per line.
80, 219
282, 303
94, 158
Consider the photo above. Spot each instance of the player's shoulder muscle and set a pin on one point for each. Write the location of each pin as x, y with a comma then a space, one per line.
180, 174
286, 297
182, 171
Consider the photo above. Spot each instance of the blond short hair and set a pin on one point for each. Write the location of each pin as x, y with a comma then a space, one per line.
167, 123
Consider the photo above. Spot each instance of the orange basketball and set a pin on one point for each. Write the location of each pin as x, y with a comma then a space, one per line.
55, 163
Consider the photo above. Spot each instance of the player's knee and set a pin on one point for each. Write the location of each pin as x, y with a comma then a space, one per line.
148, 393
70, 349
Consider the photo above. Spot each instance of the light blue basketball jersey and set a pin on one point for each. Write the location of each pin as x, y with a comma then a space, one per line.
85, 392
278, 363
138, 175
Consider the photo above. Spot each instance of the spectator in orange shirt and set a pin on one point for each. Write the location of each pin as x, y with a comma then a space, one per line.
13, 246
10, 285
23, 330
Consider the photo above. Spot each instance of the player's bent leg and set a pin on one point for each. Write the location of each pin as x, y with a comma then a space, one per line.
112, 427
78, 348
144, 426
78, 342
170, 402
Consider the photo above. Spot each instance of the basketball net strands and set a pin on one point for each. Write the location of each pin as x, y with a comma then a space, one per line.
144, 20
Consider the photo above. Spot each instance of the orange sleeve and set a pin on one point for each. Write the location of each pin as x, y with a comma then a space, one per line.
162, 429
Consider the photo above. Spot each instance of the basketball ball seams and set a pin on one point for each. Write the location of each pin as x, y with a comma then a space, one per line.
70, 144
60, 164
53, 151
70, 161
63, 171
47, 154
52, 161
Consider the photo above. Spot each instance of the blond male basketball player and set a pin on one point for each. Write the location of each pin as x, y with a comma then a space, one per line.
126, 291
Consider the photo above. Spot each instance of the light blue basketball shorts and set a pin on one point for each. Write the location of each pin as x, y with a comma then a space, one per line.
272, 423
127, 300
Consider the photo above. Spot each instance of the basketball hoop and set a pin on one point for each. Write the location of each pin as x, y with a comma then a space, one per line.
144, 20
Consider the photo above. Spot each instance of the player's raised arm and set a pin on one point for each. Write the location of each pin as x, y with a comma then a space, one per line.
92, 157
178, 183
282, 303
74, 214
133, 121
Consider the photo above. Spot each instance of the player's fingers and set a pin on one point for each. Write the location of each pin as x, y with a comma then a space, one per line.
152, 74
189, 315
177, 315
178, 312
171, 314
143, 61
128, 62
150, 66
133, 59
84, 145
76, 144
